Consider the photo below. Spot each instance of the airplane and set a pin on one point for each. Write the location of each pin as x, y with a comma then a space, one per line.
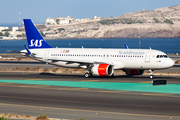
100, 62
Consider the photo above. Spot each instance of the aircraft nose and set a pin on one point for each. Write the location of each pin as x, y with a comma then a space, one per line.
170, 63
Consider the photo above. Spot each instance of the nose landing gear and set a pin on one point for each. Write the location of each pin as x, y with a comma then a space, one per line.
151, 74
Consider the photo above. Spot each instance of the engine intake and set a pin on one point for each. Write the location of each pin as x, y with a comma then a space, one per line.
103, 69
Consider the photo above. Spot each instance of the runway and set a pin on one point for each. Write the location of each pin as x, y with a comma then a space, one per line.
87, 103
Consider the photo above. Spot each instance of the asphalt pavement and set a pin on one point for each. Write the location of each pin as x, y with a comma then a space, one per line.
87, 103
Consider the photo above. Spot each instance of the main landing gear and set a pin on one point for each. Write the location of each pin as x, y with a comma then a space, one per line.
88, 75
151, 74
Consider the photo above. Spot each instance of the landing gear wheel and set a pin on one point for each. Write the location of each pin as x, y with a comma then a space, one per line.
152, 76
88, 75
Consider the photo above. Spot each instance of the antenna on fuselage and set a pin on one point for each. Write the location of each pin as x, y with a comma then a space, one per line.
82, 47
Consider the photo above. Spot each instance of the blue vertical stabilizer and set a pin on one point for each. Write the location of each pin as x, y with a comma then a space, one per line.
34, 38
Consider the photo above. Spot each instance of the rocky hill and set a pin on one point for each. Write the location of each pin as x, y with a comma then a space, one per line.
158, 23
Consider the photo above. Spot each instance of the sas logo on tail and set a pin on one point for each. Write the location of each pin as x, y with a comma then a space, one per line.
36, 43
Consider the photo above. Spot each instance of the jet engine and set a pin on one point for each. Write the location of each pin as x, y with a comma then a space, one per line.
103, 69
134, 72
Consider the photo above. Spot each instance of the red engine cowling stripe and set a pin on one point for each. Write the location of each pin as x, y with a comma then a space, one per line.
102, 69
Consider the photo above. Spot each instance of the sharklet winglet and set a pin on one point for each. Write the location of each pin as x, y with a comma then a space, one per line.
126, 46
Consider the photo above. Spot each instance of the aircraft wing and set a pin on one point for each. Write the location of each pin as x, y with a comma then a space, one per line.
72, 61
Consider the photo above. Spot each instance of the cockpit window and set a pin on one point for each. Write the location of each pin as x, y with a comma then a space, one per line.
161, 56
165, 56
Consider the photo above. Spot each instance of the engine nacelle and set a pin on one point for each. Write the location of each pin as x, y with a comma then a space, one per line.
103, 69
134, 72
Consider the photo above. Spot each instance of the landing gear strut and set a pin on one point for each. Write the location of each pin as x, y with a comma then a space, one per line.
151, 74
89, 73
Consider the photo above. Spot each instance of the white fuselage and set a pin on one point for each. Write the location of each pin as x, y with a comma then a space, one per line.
121, 58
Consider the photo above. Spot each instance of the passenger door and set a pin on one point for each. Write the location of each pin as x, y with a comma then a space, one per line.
46, 54
147, 56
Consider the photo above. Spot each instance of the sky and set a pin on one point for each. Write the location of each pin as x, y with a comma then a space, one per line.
39, 10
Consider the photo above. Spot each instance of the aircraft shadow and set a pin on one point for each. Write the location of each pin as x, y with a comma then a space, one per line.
76, 76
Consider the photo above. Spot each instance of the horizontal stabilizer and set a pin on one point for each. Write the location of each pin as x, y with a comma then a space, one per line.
28, 51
